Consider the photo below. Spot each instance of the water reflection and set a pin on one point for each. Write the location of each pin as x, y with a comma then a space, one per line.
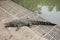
53, 15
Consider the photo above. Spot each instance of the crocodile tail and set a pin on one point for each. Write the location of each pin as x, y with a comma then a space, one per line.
42, 23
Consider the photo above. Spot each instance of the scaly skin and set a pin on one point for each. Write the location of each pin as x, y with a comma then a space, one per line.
20, 23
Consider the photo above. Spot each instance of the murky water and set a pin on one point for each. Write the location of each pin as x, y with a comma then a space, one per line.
52, 16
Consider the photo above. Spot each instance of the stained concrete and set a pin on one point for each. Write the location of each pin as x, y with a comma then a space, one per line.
10, 11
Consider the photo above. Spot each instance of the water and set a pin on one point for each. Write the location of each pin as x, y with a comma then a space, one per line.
50, 11
52, 16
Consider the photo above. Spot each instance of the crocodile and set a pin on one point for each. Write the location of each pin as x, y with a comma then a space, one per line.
28, 23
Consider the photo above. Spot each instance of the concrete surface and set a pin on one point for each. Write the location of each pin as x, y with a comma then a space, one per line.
10, 11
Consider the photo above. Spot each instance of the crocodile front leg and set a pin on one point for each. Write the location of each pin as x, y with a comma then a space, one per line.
18, 27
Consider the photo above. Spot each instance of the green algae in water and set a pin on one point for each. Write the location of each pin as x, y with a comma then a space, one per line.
33, 4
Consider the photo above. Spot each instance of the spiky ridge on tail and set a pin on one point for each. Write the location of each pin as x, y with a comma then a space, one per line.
42, 23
